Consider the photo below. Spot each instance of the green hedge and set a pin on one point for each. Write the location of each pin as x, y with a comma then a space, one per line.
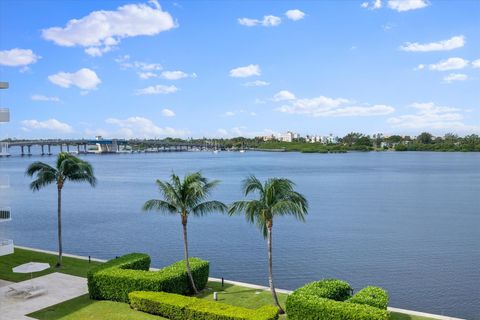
331, 300
328, 288
115, 279
177, 307
372, 296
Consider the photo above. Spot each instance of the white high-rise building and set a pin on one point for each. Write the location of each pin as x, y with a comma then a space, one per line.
6, 245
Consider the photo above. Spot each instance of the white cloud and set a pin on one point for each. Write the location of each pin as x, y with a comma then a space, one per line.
140, 127
176, 75
168, 113
430, 116
373, 5
476, 63
333, 107
398, 5
50, 124
455, 77
239, 112
267, 21
229, 114
158, 89
295, 14
126, 63
283, 95
256, 83
17, 57
443, 45
244, 72
84, 78
40, 97
449, 64
406, 5
100, 31
248, 22
147, 75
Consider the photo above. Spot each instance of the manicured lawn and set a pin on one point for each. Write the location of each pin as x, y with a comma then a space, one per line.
84, 308
71, 266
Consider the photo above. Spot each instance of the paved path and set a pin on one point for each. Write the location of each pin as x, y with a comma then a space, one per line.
4, 283
60, 286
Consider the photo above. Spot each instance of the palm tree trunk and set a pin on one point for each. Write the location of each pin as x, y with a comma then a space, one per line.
270, 270
187, 262
59, 220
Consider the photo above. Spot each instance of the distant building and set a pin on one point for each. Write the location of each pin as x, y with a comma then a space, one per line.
288, 137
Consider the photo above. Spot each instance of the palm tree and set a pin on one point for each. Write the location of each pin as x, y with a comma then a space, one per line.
276, 197
184, 198
68, 167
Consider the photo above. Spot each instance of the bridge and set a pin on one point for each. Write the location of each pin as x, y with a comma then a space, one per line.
103, 146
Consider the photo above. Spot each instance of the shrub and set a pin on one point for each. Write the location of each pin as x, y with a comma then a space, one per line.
328, 288
372, 296
177, 307
331, 300
116, 278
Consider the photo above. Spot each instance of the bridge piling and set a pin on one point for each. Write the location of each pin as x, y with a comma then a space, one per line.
49, 151
43, 153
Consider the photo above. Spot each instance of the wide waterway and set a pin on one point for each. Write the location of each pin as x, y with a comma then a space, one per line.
409, 222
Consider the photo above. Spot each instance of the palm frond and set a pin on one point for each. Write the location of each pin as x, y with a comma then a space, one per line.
44, 175
159, 205
209, 207
169, 192
252, 184
37, 167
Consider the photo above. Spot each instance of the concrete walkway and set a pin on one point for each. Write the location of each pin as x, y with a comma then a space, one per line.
60, 287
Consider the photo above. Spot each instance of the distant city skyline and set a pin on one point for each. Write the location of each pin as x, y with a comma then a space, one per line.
155, 69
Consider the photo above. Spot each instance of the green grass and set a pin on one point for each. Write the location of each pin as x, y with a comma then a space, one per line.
83, 308
76, 267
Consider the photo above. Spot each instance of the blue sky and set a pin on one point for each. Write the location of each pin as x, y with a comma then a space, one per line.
212, 68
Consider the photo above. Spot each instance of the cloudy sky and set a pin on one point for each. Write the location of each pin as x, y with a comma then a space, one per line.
212, 68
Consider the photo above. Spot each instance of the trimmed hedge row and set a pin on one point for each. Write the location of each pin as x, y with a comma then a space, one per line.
115, 279
331, 300
177, 307
372, 296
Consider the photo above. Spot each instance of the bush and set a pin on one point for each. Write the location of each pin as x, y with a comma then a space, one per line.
177, 307
116, 278
372, 296
328, 288
331, 300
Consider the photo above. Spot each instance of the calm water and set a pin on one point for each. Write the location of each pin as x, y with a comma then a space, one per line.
409, 222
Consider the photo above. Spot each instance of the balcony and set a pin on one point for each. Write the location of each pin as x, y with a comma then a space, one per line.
5, 214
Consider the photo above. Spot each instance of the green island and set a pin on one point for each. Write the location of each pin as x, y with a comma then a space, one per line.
85, 308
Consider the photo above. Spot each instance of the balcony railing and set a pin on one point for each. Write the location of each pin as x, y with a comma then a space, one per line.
5, 214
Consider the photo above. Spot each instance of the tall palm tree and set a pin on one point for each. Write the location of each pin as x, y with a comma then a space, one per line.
276, 197
67, 167
184, 198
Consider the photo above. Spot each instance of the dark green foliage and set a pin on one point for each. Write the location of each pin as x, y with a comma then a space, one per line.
116, 278
331, 299
178, 307
327, 288
401, 147
372, 296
